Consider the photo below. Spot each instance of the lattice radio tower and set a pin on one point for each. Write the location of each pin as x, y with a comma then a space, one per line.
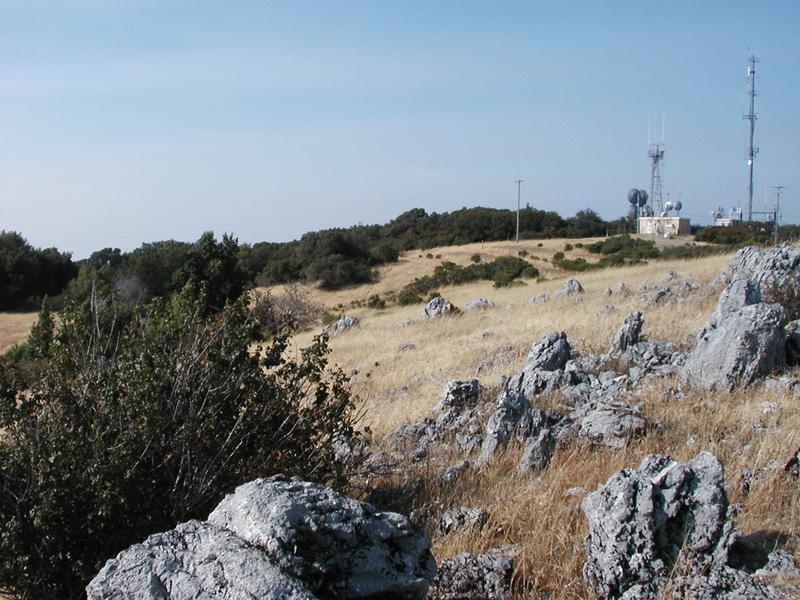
656, 154
750, 116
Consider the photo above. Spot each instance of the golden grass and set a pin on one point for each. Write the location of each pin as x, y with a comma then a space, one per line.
14, 328
398, 387
752, 428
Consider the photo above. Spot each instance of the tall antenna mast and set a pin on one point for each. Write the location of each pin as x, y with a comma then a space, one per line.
519, 184
750, 116
656, 154
778, 191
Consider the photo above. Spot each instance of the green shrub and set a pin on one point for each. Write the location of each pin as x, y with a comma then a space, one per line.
408, 296
522, 253
376, 302
567, 247
476, 258
115, 431
429, 255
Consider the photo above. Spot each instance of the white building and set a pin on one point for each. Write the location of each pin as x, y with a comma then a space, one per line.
664, 226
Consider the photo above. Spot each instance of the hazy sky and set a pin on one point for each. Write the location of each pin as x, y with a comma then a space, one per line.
130, 121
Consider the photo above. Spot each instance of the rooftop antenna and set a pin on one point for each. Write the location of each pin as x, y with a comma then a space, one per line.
656, 154
750, 116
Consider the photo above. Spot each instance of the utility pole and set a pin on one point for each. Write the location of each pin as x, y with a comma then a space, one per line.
519, 186
750, 116
778, 191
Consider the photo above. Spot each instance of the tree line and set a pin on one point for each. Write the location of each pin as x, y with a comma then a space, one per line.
331, 258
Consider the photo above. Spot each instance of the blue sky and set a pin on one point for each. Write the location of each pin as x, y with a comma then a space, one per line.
130, 121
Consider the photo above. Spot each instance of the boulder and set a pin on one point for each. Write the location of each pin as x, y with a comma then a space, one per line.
479, 304
438, 307
502, 425
194, 561
275, 538
571, 288
537, 453
740, 344
474, 577
463, 517
545, 368
608, 309
627, 335
661, 528
539, 299
344, 323
776, 266
608, 422
452, 472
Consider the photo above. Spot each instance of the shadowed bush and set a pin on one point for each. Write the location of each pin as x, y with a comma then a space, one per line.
110, 432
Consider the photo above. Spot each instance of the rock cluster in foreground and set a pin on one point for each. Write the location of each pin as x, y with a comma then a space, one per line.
276, 538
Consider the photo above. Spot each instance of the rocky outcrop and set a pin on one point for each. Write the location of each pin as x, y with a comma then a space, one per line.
546, 367
539, 299
608, 422
479, 304
538, 451
743, 341
276, 538
194, 561
463, 517
664, 526
344, 323
572, 287
627, 335
438, 307
776, 266
474, 577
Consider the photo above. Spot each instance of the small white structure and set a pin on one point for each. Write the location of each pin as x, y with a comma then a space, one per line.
727, 218
664, 226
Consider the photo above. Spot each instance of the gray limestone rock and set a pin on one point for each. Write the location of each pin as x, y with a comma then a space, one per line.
335, 544
474, 577
608, 422
194, 561
777, 266
608, 309
627, 335
438, 307
537, 453
539, 299
571, 288
276, 538
501, 426
664, 526
344, 323
740, 344
452, 472
463, 517
545, 368
479, 304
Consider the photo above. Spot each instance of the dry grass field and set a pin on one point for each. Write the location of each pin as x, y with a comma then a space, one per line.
756, 428
14, 328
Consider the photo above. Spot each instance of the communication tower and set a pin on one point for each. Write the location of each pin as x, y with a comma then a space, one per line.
656, 154
750, 116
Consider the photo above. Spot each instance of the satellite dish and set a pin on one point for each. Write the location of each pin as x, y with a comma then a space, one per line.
678, 206
633, 196
643, 197
668, 206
